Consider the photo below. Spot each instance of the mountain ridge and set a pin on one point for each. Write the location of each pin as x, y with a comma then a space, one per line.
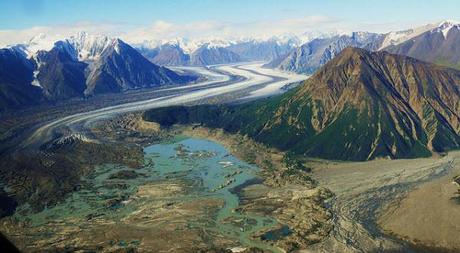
80, 66
309, 57
439, 45
360, 106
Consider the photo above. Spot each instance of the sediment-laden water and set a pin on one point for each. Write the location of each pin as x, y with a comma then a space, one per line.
110, 194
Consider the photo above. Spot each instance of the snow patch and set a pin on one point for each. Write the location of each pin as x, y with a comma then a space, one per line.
35, 82
116, 46
445, 27
90, 47
38, 43
398, 37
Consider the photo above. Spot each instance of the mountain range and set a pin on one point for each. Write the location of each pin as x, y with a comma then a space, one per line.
426, 43
80, 66
359, 106
310, 56
178, 53
440, 45
86, 65
309, 53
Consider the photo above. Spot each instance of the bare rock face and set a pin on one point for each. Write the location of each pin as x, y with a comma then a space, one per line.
60, 73
439, 45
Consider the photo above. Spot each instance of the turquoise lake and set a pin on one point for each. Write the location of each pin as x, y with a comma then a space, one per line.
210, 170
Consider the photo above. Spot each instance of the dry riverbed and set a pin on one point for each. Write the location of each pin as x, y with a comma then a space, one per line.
410, 199
429, 216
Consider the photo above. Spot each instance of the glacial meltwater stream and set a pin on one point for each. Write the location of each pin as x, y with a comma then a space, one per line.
219, 172
109, 192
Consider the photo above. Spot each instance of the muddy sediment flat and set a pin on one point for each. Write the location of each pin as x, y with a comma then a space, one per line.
429, 215
203, 189
364, 191
182, 191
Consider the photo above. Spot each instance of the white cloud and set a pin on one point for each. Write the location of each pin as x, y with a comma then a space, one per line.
163, 30
9, 37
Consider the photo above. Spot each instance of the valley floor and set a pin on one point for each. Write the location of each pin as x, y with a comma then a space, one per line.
343, 212
410, 199
429, 215
375, 206
223, 206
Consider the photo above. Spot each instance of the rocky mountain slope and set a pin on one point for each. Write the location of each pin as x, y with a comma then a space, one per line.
359, 106
398, 37
166, 55
312, 55
121, 67
59, 73
439, 45
209, 55
79, 66
182, 52
16, 76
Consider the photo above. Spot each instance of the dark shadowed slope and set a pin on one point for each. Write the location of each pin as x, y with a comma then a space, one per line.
16, 75
121, 67
77, 67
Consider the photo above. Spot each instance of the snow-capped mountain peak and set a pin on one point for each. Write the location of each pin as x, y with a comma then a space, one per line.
90, 47
116, 44
446, 23
216, 43
398, 37
445, 26
39, 42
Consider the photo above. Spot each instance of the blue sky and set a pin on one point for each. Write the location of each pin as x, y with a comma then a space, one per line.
171, 18
18, 14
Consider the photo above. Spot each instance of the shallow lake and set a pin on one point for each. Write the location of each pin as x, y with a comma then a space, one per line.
210, 170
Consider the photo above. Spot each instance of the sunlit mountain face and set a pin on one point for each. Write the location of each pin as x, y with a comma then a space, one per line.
172, 126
